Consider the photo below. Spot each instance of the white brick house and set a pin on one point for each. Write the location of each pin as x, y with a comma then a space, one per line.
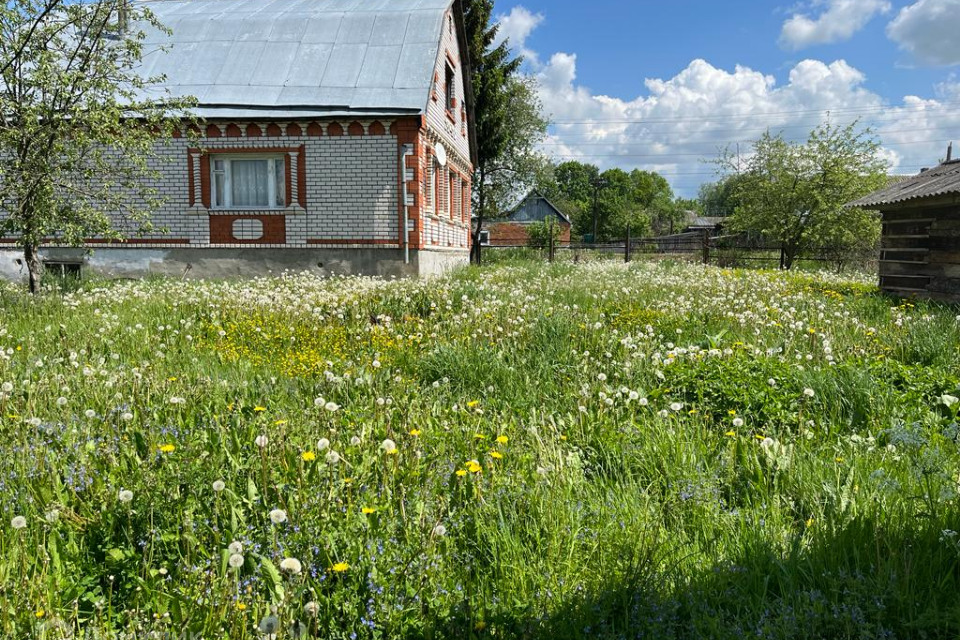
326, 124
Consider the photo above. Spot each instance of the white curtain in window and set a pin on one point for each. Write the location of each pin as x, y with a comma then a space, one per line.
249, 178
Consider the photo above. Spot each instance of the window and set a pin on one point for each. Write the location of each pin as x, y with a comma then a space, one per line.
453, 193
485, 238
451, 89
63, 270
428, 185
248, 182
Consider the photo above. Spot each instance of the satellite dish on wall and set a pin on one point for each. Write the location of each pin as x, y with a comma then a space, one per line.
441, 152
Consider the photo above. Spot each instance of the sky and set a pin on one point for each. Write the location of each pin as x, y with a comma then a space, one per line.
665, 85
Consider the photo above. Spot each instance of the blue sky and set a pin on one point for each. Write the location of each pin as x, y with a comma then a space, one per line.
660, 85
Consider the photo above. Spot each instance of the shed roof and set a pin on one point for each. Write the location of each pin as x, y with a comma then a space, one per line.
940, 181
534, 208
313, 57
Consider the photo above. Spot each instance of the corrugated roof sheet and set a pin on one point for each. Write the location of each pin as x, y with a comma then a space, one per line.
290, 55
939, 181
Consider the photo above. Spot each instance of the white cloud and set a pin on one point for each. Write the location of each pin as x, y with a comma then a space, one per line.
516, 27
838, 21
929, 30
673, 124
676, 123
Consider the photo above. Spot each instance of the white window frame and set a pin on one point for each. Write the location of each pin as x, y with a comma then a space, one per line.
430, 186
484, 238
272, 160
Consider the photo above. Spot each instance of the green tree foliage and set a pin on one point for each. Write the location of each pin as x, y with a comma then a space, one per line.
718, 199
507, 117
76, 136
794, 193
538, 233
641, 199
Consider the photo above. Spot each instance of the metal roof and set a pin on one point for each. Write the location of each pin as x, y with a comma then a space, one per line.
318, 57
940, 181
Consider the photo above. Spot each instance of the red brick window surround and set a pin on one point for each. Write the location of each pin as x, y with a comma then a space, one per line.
267, 175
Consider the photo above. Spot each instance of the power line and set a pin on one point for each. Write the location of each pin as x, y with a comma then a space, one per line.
701, 117
879, 132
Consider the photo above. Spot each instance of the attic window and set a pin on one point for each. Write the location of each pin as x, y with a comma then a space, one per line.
451, 88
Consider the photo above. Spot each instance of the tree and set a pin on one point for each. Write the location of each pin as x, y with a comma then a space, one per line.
76, 136
718, 199
507, 117
794, 194
538, 233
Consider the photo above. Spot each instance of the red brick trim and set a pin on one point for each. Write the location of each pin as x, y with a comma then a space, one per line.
318, 241
274, 229
334, 129
176, 133
233, 131
273, 130
294, 130
377, 129
302, 176
254, 131
355, 129
314, 130
213, 131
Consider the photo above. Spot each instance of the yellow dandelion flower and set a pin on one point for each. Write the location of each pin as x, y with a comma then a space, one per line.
839, 460
278, 423
167, 448
40, 613
479, 436
415, 432
731, 434
731, 412
496, 455
503, 439
472, 404
461, 473
348, 481
259, 409
340, 567
759, 437
474, 467
241, 606
563, 438
171, 379
308, 456
810, 523
368, 511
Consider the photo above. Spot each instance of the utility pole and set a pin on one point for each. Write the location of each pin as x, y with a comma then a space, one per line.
598, 184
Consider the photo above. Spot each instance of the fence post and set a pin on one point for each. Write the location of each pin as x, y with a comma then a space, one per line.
626, 247
706, 246
550, 246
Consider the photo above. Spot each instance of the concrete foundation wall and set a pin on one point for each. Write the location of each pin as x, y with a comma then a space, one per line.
212, 263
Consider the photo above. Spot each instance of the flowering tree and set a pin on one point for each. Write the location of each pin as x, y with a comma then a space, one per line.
76, 134
795, 194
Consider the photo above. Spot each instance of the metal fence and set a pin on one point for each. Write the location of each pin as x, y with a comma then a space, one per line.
724, 251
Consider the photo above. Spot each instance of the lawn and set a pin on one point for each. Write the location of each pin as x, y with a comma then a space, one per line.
528, 451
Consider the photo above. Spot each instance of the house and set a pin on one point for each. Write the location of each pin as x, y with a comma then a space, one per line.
336, 136
920, 250
698, 224
511, 229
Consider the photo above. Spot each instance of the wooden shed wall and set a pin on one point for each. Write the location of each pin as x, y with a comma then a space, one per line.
920, 252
